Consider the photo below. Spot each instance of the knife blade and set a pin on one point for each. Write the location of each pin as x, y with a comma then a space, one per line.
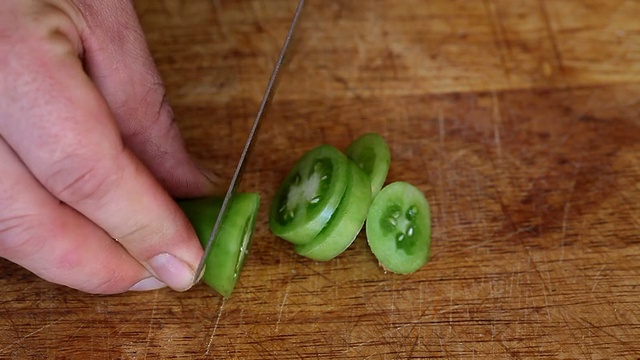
237, 175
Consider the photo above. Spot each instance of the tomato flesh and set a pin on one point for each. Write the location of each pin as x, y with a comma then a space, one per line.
399, 228
309, 195
231, 245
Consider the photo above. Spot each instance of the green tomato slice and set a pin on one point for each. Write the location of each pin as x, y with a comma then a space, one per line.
399, 228
309, 195
346, 222
371, 153
233, 240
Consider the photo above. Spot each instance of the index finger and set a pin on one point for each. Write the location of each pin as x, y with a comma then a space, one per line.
117, 59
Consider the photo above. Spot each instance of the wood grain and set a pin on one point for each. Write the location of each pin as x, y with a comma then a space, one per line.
518, 120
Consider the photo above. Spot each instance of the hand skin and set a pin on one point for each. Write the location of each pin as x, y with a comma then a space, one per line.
89, 152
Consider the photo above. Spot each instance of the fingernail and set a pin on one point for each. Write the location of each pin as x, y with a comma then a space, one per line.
172, 271
204, 268
150, 283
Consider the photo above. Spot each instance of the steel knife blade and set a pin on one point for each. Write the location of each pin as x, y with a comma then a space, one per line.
237, 175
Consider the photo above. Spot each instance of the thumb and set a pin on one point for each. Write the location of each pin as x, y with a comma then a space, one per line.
120, 64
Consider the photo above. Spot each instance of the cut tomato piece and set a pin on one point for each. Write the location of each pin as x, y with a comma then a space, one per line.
371, 153
346, 222
309, 195
233, 240
399, 228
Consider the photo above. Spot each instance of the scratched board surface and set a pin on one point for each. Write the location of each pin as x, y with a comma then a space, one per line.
517, 119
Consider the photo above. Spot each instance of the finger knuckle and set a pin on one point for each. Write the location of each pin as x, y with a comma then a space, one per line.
111, 283
18, 236
51, 26
151, 108
110, 280
76, 179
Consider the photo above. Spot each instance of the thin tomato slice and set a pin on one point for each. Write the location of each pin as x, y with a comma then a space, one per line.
346, 222
399, 228
371, 153
309, 195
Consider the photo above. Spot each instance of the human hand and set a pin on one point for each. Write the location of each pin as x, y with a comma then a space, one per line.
89, 152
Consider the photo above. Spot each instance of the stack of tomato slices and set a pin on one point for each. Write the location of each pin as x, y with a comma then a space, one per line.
321, 207
328, 196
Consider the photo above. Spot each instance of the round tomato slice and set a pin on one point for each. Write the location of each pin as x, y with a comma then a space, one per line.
371, 153
309, 195
399, 228
233, 240
346, 222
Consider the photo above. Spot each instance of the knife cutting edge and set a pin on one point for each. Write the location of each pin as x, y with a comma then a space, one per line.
237, 175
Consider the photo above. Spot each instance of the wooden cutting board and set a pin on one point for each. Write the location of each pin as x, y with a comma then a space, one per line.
517, 119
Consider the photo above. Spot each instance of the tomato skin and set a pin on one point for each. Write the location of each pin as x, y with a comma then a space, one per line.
398, 228
231, 246
346, 222
309, 195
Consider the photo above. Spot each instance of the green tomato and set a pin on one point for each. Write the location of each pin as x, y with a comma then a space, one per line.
371, 153
346, 222
309, 195
399, 228
231, 245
